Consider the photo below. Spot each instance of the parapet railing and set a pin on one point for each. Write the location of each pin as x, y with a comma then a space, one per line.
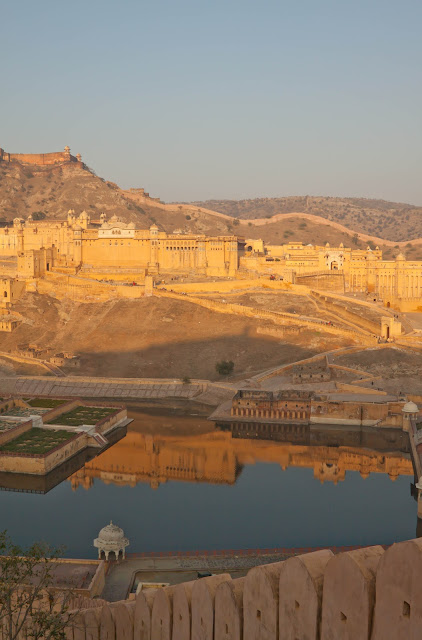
364, 594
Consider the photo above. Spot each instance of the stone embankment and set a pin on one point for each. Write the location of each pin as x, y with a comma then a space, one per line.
128, 388
363, 594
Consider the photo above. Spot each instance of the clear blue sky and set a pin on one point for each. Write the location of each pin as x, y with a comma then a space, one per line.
223, 98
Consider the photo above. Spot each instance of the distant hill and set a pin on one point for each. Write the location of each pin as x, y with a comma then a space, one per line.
389, 220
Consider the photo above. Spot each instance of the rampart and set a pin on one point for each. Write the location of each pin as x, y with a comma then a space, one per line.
40, 159
275, 316
339, 309
364, 594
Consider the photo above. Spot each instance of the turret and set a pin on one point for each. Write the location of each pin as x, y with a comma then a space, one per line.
410, 412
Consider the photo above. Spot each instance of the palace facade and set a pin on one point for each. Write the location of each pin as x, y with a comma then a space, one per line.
397, 282
79, 245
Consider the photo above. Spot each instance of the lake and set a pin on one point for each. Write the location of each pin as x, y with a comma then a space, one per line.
173, 483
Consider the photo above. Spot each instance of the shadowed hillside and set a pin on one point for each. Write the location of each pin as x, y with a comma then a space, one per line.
389, 220
155, 337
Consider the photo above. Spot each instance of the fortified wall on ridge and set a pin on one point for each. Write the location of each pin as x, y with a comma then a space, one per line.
40, 159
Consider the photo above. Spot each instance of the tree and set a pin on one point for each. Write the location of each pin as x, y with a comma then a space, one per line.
30, 602
355, 238
38, 215
225, 367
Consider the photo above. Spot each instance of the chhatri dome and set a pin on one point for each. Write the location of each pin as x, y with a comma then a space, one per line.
410, 407
111, 539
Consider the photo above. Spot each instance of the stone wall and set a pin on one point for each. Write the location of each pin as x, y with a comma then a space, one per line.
340, 309
15, 431
39, 159
363, 594
40, 464
275, 316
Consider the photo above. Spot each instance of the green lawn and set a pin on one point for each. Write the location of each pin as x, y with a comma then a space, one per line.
37, 440
83, 415
45, 403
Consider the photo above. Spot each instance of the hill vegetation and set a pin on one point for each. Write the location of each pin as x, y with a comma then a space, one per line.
389, 220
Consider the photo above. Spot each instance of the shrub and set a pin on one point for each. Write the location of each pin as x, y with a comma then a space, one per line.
225, 367
186, 380
38, 215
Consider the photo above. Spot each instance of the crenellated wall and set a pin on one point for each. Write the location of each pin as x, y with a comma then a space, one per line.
365, 594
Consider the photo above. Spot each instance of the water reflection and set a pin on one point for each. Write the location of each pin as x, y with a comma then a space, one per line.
207, 483
160, 447
217, 458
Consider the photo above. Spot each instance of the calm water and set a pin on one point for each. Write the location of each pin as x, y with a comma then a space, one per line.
257, 504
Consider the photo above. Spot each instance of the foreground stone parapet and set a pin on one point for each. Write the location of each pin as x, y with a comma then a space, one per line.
316, 596
92, 624
398, 612
182, 597
349, 594
142, 616
161, 618
300, 595
124, 619
228, 622
260, 602
203, 597
107, 626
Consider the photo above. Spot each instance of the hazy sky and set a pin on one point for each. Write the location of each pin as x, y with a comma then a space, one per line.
223, 98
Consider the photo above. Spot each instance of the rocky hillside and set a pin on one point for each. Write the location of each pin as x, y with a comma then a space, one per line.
148, 338
52, 190
389, 220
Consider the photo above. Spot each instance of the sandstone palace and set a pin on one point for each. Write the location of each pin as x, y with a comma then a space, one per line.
81, 246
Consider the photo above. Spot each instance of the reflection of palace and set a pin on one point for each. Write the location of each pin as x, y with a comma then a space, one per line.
218, 458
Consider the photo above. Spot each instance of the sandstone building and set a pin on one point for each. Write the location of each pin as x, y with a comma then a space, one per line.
79, 245
397, 282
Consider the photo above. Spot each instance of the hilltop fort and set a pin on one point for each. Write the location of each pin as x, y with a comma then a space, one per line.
41, 159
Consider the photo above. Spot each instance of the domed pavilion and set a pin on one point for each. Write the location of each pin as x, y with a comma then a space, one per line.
111, 539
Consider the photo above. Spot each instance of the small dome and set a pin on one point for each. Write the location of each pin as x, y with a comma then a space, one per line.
111, 533
131, 225
115, 219
77, 227
154, 227
400, 257
111, 538
327, 244
410, 407
84, 215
